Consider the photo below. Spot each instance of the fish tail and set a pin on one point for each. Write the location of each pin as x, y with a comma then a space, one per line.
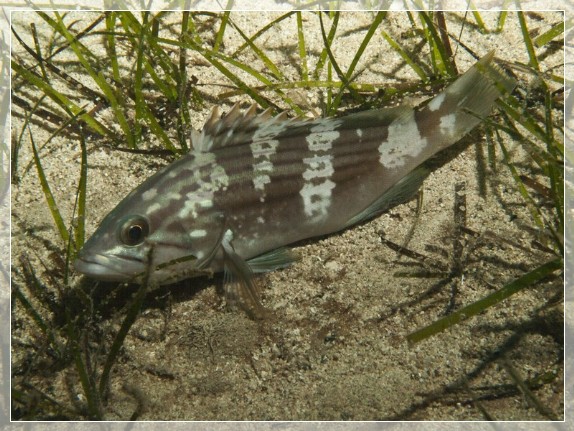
464, 104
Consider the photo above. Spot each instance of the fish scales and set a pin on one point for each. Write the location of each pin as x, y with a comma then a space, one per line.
255, 183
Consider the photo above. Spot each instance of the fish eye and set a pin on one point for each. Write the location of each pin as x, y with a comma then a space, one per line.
134, 230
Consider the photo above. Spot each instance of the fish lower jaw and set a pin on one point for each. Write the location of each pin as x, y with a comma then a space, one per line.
101, 268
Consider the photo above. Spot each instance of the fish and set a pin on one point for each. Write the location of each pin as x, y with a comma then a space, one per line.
255, 183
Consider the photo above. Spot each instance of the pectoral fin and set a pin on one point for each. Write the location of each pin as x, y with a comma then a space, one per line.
239, 286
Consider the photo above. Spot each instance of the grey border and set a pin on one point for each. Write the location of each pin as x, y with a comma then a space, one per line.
5, 36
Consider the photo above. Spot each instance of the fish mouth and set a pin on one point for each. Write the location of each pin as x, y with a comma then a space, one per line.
103, 268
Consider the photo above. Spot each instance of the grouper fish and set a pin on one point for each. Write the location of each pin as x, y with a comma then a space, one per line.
254, 183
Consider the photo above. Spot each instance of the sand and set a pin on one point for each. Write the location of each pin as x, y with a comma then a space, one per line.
335, 345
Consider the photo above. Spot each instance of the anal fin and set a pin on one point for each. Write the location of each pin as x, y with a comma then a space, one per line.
401, 192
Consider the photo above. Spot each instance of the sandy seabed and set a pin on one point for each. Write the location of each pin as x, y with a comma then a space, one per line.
334, 347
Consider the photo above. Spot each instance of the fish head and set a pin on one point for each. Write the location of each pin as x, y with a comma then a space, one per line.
166, 230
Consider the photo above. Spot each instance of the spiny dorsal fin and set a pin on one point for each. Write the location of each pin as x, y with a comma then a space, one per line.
238, 127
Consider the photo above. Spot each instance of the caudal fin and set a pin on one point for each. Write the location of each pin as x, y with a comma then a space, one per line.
464, 104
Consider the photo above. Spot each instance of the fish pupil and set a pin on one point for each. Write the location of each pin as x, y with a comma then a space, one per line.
135, 233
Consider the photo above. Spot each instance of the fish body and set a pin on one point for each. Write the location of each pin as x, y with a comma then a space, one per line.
254, 183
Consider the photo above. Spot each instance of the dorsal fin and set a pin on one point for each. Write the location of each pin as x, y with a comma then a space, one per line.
238, 127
